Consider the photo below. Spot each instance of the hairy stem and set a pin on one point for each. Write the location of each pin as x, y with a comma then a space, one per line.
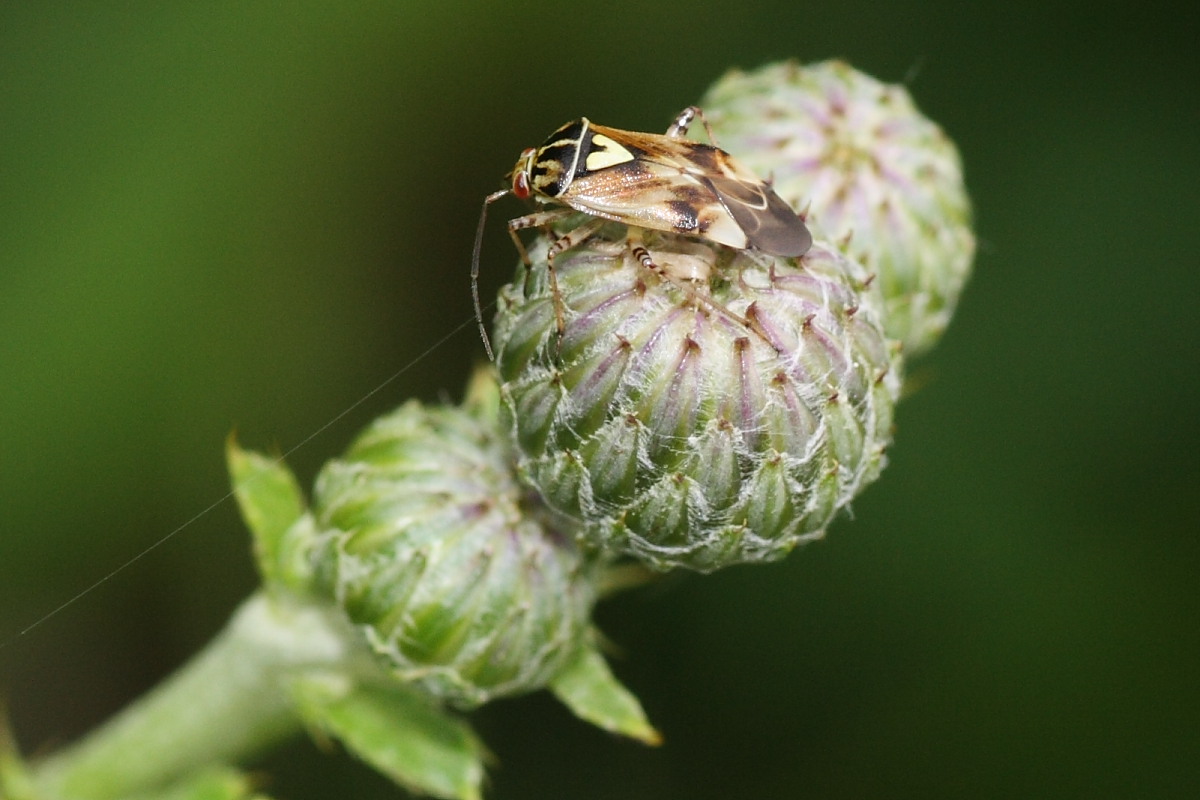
228, 703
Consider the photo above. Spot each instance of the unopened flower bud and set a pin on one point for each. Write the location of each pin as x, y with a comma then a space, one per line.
696, 423
871, 173
454, 572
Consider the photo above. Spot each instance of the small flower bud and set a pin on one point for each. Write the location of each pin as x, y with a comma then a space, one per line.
452, 570
870, 172
696, 423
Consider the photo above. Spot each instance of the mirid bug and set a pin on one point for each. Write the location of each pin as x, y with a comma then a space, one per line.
663, 182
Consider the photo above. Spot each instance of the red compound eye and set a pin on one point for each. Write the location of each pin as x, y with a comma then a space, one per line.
520, 184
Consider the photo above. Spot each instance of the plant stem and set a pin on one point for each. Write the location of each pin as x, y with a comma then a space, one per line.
228, 703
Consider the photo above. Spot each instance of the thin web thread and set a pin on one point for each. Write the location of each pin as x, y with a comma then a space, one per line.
279, 460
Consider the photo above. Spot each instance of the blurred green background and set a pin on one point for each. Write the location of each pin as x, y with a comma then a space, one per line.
248, 216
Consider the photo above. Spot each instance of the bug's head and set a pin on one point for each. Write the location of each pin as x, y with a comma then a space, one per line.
522, 173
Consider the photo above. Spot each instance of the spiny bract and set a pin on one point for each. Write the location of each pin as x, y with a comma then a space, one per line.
685, 433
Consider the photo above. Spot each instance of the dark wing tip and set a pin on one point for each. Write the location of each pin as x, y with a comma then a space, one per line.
768, 221
789, 238
784, 233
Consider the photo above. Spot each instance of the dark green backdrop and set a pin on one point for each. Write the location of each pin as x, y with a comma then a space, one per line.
219, 216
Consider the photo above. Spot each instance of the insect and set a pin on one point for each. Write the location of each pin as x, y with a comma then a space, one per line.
645, 180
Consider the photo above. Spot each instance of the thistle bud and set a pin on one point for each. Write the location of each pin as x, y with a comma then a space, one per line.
455, 574
870, 172
696, 423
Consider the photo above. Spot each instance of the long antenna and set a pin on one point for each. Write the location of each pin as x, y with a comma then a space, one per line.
487, 201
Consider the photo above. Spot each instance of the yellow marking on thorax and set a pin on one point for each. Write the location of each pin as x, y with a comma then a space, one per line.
606, 153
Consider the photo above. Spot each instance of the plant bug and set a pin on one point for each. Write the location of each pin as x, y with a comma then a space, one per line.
663, 182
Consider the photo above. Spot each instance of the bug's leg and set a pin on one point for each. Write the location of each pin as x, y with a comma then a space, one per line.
712, 137
535, 220
679, 128
688, 287
540, 219
575, 237
560, 245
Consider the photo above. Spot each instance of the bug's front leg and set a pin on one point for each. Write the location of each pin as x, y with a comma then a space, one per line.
560, 245
539, 219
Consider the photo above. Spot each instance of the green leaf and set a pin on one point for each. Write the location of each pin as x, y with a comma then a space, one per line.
398, 732
15, 783
271, 502
212, 784
589, 689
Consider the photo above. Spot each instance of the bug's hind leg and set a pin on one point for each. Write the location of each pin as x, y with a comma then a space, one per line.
688, 285
679, 127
